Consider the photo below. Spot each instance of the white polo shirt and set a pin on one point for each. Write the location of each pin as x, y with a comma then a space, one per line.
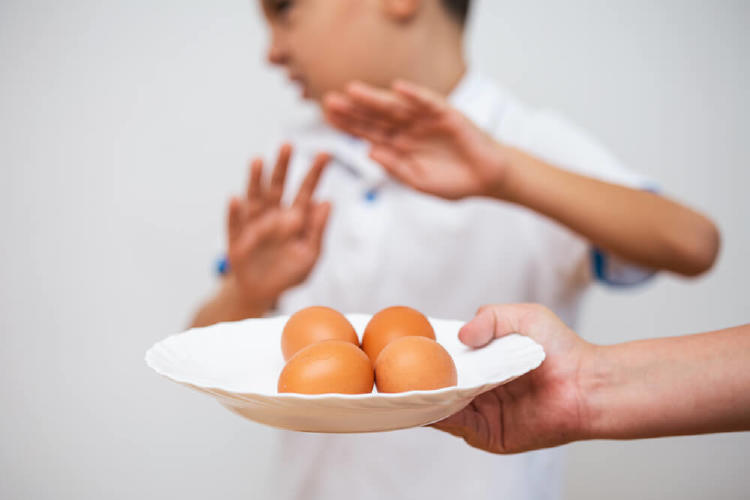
387, 244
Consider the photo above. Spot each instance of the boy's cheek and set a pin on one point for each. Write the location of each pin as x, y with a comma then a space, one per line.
329, 63
323, 77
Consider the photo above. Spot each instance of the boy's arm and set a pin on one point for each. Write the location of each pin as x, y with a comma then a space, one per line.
229, 304
422, 141
642, 227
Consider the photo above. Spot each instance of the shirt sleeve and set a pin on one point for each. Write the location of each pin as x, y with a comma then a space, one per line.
555, 140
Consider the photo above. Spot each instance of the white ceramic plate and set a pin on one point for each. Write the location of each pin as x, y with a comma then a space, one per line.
239, 363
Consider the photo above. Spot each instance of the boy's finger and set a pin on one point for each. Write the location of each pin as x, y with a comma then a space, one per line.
306, 190
342, 105
255, 197
383, 104
318, 223
276, 187
397, 167
261, 230
340, 121
348, 111
234, 219
362, 129
291, 223
255, 183
425, 99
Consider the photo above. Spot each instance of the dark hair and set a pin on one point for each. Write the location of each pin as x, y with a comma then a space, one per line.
459, 9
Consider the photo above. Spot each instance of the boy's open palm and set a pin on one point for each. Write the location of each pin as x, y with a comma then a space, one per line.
420, 139
273, 247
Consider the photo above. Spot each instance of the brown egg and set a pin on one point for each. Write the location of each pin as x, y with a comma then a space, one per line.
392, 323
414, 364
331, 366
313, 324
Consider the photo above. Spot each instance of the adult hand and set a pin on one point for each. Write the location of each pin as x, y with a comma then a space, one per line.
541, 409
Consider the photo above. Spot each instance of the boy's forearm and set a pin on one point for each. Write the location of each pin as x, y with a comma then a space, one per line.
641, 227
229, 305
673, 386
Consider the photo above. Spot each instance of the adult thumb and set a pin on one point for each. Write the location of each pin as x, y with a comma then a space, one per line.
480, 330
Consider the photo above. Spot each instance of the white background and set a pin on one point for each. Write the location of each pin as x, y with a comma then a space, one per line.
125, 125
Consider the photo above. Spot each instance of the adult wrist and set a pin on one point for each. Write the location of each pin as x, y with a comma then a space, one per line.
595, 379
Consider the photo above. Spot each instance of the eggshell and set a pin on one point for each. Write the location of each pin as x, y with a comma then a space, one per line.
414, 364
393, 323
330, 366
314, 324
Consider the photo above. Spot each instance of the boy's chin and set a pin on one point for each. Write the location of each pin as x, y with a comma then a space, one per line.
311, 97
307, 94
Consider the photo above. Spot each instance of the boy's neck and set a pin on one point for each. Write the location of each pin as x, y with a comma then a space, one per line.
439, 62
445, 74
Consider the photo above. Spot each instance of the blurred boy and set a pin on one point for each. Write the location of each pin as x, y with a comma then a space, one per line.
447, 219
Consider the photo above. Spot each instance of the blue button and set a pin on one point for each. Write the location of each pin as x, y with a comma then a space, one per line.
222, 266
370, 195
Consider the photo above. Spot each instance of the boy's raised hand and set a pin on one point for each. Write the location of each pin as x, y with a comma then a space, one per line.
420, 139
273, 247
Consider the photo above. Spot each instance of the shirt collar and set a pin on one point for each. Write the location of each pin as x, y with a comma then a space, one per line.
480, 100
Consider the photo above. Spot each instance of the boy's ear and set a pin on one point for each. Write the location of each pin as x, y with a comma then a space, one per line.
401, 10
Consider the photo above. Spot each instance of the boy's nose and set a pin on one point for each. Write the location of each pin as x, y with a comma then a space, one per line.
277, 54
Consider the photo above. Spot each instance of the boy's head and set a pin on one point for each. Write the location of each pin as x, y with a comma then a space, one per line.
324, 44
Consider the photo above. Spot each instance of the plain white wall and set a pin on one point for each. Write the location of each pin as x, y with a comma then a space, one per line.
124, 126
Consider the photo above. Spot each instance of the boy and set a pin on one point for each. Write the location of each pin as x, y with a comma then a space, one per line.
388, 243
